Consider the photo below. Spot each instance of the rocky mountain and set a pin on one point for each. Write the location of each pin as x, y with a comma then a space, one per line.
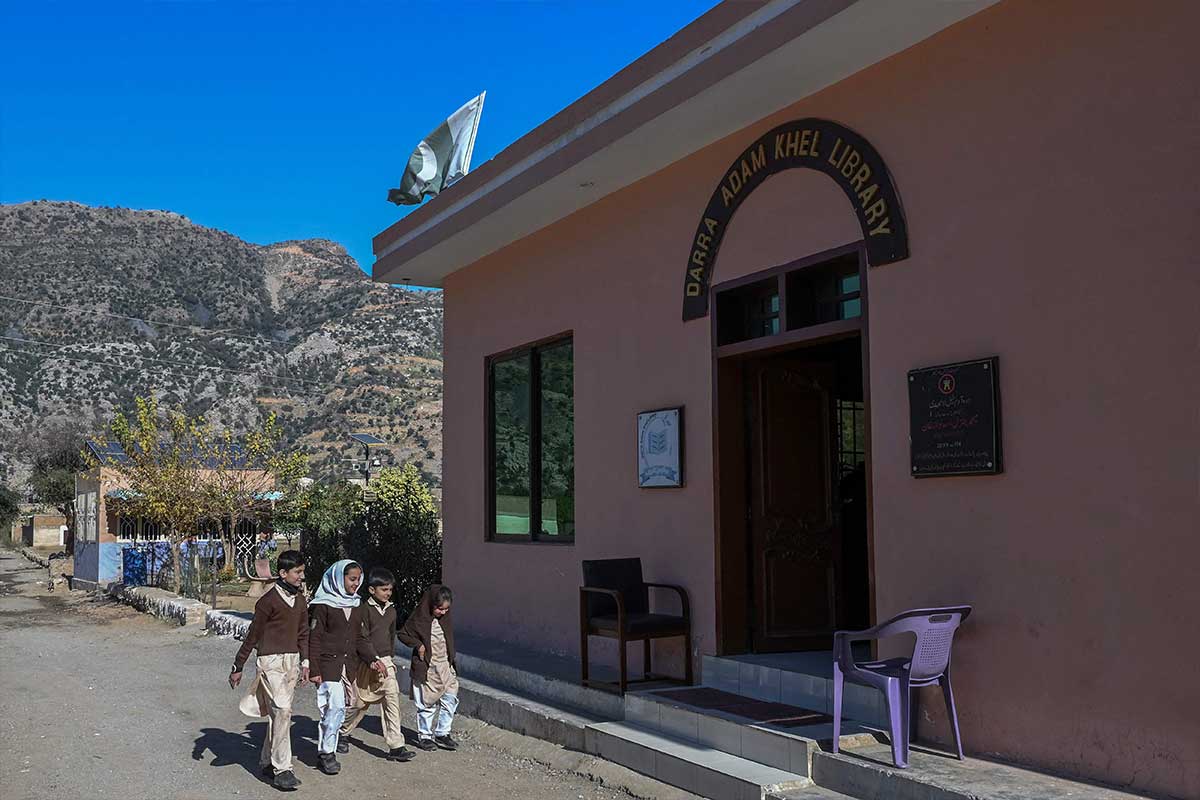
98, 305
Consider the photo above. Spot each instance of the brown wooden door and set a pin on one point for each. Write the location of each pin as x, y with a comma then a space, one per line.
795, 532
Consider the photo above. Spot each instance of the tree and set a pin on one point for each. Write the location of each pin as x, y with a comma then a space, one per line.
57, 457
10, 509
397, 530
162, 472
241, 474
401, 533
324, 516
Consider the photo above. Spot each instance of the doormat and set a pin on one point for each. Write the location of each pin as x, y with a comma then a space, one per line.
755, 710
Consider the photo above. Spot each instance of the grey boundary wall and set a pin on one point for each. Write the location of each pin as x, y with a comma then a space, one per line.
161, 603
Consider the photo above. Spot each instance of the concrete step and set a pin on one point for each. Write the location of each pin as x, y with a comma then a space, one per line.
533, 673
798, 679
775, 735
867, 773
809, 793
539, 717
687, 765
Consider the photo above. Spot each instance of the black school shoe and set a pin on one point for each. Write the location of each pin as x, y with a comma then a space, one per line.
268, 771
426, 744
401, 754
286, 781
343, 746
445, 742
328, 763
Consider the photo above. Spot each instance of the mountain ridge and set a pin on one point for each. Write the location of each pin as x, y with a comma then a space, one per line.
98, 304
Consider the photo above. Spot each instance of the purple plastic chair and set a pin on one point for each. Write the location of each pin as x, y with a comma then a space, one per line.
896, 677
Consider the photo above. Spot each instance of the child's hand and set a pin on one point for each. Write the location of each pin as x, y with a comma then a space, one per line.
380, 667
421, 652
234, 679
315, 679
303, 674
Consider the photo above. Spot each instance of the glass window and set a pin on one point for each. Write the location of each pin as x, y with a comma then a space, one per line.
532, 475
557, 437
748, 312
824, 293
512, 428
852, 437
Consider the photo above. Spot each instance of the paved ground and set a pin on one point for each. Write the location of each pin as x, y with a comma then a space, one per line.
99, 701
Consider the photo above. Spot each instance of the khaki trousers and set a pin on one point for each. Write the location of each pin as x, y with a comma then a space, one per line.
271, 696
384, 690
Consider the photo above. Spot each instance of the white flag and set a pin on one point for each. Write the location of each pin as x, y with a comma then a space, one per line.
442, 157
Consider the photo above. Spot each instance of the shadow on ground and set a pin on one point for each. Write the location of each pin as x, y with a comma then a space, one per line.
242, 748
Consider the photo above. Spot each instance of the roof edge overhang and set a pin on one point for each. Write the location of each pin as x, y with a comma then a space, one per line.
730, 68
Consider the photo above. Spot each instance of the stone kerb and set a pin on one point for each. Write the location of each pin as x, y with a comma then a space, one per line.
161, 603
225, 623
34, 556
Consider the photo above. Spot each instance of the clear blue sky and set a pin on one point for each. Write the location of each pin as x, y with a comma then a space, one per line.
276, 120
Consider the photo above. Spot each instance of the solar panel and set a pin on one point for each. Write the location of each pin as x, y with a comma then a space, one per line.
108, 452
367, 439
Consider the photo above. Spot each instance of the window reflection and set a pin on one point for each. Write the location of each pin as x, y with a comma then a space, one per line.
511, 444
533, 443
558, 440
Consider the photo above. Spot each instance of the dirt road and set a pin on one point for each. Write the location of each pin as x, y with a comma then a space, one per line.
99, 701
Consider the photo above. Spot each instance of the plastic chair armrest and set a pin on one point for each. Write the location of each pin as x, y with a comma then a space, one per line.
842, 639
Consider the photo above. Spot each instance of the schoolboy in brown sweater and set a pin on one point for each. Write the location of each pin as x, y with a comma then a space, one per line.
279, 631
376, 679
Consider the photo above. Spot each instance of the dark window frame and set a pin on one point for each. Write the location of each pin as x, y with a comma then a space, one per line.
533, 350
789, 336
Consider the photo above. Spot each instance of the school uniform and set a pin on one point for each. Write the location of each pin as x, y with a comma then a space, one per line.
434, 685
279, 632
377, 642
333, 644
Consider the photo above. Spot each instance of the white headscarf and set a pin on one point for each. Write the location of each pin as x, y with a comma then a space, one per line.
332, 591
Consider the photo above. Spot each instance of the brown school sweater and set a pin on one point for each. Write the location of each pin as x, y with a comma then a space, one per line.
418, 630
276, 628
333, 641
378, 634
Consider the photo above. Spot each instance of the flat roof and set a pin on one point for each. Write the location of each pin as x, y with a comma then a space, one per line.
735, 65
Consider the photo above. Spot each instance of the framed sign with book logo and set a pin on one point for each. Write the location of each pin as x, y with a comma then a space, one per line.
660, 448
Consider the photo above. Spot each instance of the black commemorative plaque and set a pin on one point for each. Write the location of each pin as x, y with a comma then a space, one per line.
954, 419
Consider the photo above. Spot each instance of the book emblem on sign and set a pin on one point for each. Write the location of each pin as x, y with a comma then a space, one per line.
659, 454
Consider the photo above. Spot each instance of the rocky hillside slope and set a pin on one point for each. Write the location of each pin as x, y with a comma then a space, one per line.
98, 305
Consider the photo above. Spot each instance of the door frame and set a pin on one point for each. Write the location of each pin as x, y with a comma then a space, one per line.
734, 606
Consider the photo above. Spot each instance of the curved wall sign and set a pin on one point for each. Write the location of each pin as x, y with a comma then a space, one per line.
812, 144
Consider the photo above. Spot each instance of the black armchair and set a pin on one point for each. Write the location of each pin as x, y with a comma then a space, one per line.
614, 602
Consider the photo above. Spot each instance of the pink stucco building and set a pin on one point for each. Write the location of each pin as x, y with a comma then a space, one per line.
938, 183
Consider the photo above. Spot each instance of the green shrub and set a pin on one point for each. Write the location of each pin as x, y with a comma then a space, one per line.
399, 530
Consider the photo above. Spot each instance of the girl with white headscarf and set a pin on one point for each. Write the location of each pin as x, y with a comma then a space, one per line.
336, 621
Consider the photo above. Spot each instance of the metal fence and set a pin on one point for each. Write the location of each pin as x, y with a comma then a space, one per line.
199, 571
146, 564
149, 564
